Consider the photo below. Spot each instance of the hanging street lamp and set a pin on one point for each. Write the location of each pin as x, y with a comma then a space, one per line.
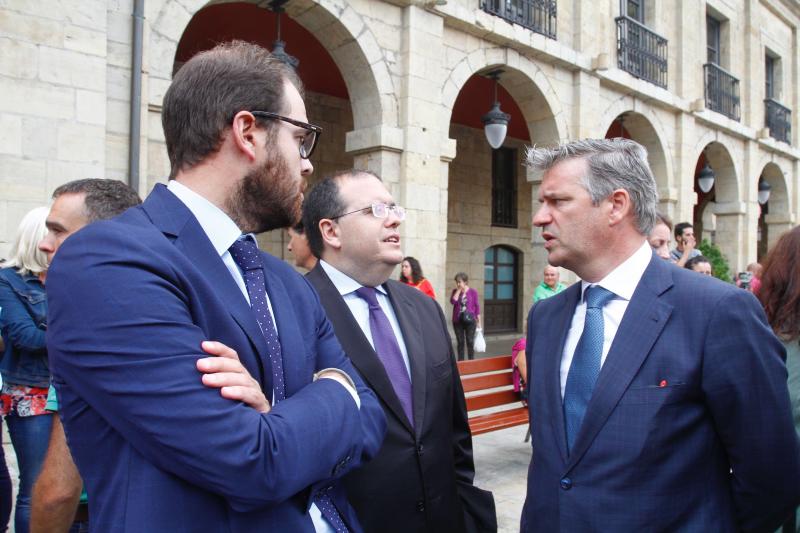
495, 122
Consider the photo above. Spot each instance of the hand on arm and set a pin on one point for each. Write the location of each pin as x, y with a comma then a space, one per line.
225, 372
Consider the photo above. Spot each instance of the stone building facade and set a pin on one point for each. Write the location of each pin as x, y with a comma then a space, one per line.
400, 86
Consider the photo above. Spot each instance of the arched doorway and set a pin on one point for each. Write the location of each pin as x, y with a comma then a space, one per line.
326, 93
718, 214
500, 289
774, 217
635, 126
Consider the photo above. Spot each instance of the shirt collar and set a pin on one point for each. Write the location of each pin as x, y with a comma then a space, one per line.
218, 226
343, 283
622, 281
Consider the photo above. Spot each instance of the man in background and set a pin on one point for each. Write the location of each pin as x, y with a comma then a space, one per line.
550, 285
58, 489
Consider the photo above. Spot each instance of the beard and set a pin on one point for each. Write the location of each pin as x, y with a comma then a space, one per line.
266, 198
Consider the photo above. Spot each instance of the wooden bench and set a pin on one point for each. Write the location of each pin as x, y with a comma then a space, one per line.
487, 383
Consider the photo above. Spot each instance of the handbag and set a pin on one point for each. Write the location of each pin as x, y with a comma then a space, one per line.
480, 343
465, 316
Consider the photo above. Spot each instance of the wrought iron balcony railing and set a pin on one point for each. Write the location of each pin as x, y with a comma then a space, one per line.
641, 51
779, 121
722, 91
537, 15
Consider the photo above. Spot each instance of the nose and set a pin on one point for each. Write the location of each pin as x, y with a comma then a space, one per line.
392, 220
45, 244
541, 217
306, 168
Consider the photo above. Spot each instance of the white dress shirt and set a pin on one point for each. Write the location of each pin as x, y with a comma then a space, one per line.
223, 232
347, 287
622, 281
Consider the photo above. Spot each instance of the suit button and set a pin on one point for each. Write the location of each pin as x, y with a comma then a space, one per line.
420, 449
566, 483
421, 506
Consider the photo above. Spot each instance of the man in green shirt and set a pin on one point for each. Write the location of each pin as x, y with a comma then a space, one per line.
550, 286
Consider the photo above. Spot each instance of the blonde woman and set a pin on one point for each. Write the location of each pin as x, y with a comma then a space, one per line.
26, 376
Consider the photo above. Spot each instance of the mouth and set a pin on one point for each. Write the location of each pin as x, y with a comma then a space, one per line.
549, 240
392, 239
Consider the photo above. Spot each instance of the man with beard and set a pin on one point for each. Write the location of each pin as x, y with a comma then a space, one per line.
133, 299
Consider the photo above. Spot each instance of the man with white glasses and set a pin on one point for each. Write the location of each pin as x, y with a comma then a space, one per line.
396, 337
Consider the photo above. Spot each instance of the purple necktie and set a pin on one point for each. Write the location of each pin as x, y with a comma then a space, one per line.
246, 255
388, 351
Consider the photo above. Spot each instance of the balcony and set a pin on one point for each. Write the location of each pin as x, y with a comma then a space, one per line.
537, 15
779, 121
722, 91
641, 52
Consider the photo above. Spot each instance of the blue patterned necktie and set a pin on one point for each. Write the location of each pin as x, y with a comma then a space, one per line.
585, 365
388, 351
246, 255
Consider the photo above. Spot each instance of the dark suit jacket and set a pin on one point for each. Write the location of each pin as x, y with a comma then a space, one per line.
421, 480
130, 302
693, 386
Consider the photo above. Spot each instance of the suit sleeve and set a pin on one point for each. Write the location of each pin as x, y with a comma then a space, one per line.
744, 380
123, 338
478, 504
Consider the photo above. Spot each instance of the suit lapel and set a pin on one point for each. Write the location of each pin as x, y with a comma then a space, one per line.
176, 221
553, 349
355, 343
642, 324
411, 328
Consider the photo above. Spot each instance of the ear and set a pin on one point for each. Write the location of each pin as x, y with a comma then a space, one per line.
243, 134
329, 230
621, 206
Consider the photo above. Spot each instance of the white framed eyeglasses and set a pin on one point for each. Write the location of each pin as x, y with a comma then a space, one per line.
379, 210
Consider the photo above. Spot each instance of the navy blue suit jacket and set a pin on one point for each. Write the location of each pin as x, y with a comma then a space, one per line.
130, 302
689, 427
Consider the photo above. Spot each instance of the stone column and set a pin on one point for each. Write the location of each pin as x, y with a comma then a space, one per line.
731, 225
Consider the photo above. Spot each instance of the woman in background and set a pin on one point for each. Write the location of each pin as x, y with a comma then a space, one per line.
466, 315
26, 375
411, 274
780, 296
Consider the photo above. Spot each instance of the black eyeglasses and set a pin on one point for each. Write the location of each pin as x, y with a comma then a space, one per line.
309, 141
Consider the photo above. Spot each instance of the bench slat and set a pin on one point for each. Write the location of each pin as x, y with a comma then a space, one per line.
492, 399
496, 421
490, 381
486, 364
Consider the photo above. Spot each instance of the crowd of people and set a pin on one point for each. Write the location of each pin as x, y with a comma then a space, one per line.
204, 385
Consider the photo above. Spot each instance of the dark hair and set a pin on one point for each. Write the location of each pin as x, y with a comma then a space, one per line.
324, 201
416, 271
680, 227
103, 199
208, 91
299, 228
780, 286
664, 219
461, 276
696, 260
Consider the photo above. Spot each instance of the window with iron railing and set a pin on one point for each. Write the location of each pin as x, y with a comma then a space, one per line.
537, 15
779, 121
722, 91
641, 51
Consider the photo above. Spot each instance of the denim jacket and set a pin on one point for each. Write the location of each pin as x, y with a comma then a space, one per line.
23, 322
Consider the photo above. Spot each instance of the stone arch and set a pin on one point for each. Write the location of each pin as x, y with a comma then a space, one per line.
642, 131
646, 128
728, 210
777, 212
338, 27
524, 80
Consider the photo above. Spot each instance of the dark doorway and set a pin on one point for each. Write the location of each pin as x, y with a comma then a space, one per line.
500, 289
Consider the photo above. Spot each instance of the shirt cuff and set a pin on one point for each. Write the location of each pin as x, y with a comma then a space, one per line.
350, 387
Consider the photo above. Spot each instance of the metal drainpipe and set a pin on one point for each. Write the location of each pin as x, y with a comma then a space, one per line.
136, 96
